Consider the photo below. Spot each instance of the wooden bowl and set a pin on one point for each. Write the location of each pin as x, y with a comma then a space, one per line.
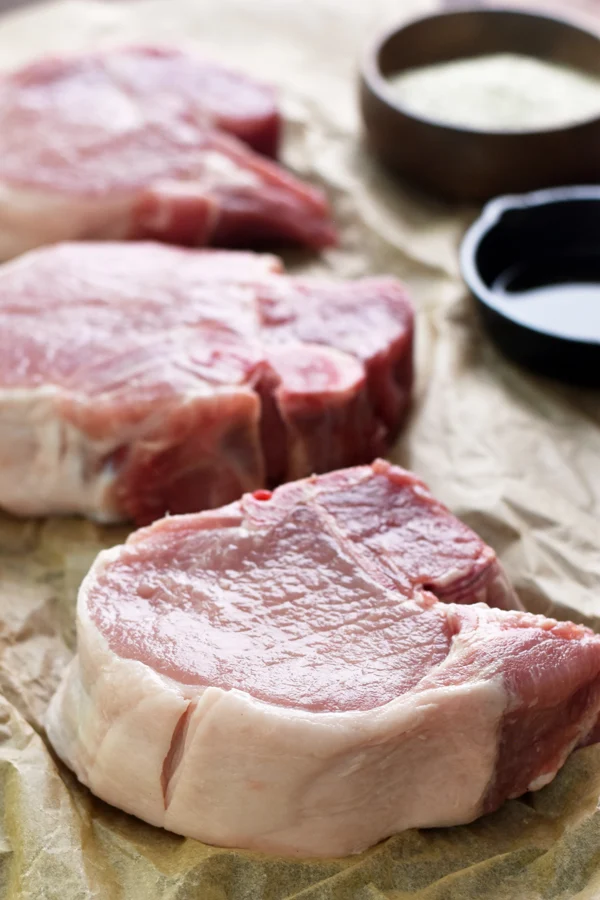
465, 164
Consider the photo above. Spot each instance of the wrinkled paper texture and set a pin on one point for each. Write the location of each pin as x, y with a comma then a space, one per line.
516, 457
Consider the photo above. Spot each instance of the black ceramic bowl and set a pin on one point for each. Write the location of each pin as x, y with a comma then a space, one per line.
469, 164
533, 264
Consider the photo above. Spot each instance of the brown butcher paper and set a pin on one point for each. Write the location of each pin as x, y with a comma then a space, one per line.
514, 456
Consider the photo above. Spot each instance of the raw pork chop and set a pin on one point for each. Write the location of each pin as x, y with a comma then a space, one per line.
137, 379
146, 143
278, 674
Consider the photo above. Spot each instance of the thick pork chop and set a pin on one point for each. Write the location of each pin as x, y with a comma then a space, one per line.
146, 143
137, 379
249, 677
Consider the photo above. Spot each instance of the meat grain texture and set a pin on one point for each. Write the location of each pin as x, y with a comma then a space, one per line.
146, 143
282, 675
139, 379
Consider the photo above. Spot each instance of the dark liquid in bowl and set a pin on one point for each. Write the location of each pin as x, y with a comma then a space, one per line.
560, 294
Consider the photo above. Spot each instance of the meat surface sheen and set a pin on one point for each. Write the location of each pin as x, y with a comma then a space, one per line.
397, 530
256, 677
146, 142
138, 379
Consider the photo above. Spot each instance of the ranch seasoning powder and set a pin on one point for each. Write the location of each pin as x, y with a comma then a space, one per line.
499, 92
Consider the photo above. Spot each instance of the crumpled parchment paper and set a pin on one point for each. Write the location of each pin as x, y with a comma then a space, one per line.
516, 457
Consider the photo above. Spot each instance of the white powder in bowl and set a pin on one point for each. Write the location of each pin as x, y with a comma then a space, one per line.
499, 92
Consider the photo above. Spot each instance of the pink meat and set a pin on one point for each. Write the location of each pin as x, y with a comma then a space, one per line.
139, 379
400, 533
371, 520
551, 675
283, 615
322, 312
146, 143
317, 412
233, 102
280, 685
229, 197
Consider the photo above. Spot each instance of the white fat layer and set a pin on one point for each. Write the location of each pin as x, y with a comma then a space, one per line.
50, 467
32, 217
47, 466
251, 774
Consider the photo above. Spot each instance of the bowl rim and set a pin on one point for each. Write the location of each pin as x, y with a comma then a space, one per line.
377, 83
489, 217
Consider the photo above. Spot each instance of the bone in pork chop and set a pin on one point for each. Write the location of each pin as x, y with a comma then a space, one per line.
146, 143
138, 379
279, 675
